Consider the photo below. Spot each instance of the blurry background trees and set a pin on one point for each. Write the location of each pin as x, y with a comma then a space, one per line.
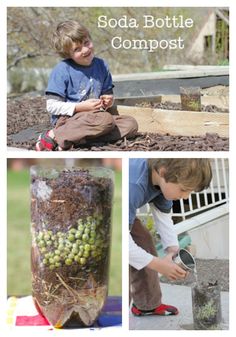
30, 30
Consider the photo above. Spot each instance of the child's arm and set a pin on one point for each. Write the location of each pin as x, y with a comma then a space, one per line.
57, 106
167, 267
107, 88
139, 258
165, 227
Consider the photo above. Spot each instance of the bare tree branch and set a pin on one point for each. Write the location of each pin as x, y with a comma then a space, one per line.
26, 56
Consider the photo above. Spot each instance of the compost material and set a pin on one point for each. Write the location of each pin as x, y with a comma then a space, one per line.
27, 118
190, 98
206, 306
71, 222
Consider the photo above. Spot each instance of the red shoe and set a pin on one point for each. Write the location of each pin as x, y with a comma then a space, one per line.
162, 310
45, 143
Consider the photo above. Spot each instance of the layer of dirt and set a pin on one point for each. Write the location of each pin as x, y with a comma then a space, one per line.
27, 118
208, 271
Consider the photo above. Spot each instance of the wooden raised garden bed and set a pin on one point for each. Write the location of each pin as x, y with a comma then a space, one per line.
176, 121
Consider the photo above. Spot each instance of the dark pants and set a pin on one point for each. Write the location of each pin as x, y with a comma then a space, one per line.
99, 126
145, 288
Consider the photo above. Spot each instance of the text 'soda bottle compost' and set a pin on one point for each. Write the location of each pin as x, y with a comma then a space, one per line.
71, 233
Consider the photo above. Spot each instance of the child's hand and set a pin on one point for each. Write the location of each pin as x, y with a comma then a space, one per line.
167, 267
173, 271
107, 101
89, 105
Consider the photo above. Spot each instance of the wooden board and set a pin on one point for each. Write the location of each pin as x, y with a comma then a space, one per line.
186, 123
222, 102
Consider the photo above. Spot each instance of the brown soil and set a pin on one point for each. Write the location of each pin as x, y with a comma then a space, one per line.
27, 118
24, 112
81, 193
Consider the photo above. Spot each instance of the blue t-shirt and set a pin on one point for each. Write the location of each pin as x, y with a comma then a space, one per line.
142, 191
76, 83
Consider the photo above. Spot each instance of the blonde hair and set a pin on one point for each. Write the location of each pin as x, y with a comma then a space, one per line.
67, 33
193, 174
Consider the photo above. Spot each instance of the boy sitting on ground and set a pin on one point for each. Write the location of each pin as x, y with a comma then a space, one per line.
79, 92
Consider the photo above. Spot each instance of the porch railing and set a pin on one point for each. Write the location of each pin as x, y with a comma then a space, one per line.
217, 194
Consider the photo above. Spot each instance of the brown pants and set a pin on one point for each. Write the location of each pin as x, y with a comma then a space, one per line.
145, 288
85, 126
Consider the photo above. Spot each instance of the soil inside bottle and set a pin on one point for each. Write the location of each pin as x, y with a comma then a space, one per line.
71, 223
190, 99
206, 306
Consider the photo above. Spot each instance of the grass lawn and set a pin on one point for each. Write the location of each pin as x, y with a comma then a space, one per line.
19, 240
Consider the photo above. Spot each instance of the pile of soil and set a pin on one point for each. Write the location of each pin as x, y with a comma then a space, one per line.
26, 111
27, 118
71, 223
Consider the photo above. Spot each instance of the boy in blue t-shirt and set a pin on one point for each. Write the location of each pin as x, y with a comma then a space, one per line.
79, 92
158, 182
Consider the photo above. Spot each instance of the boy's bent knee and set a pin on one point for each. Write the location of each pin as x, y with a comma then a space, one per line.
100, 123
127, 125
132, 126
107, 120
